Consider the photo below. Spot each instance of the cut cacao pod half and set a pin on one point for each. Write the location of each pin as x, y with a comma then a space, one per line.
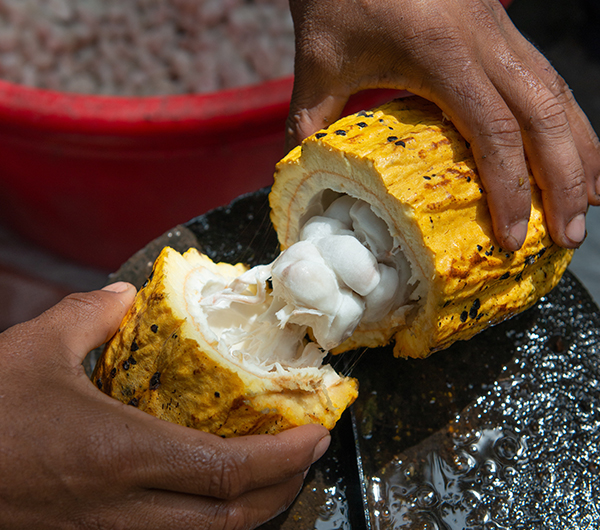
199, 348
405, 167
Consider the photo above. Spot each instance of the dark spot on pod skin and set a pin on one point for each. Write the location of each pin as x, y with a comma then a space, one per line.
125, 365
468, 179
99, 383
505, 276
134, 402
154, 328
113, 372
530, 260
426, 177
463, 316
446, 303
400, 142
541, 252
392, 138
134, 346
519, 277
174, 336
467, 145
365, 114
361, 124
474, 308
340, 132
320, 135
155, 381
380, 120
479, 248
131, 360
217, 395
480, 190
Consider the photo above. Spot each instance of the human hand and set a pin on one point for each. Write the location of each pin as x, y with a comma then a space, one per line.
467, 57
71, 457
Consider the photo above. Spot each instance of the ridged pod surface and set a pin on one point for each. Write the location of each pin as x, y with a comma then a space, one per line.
418, 174
160, 361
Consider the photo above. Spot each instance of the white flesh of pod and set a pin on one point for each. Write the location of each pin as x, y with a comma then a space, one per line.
318, 226
329, 281
346, 319
302, 278
340, 209
380, 301
352, 262
371, 230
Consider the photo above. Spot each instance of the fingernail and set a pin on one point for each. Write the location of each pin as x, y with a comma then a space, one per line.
575, 230
117, 287
516, 235
321, 447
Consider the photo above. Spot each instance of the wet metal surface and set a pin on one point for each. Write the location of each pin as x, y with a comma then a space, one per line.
498, 432
523, 453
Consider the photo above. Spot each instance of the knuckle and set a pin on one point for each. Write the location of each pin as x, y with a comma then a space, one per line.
570, 187
575, 186
557, 85
503, 125
227, 479
549, 117
233, 516
503, 130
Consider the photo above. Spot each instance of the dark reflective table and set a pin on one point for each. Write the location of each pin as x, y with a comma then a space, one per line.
498, 432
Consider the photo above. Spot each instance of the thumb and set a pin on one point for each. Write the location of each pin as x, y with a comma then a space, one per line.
84, 321
310, 112
320, 89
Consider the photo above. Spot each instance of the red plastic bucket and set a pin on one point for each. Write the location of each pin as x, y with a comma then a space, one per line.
94, 178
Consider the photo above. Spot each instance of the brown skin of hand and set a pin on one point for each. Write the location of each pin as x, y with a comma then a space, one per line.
71, 457
467, 57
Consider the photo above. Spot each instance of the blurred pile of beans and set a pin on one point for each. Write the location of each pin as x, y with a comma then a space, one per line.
144, 47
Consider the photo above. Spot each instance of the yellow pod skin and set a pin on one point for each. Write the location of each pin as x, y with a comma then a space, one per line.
418, 174
163, 362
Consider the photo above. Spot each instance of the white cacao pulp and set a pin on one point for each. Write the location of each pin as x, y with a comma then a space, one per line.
345, 269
